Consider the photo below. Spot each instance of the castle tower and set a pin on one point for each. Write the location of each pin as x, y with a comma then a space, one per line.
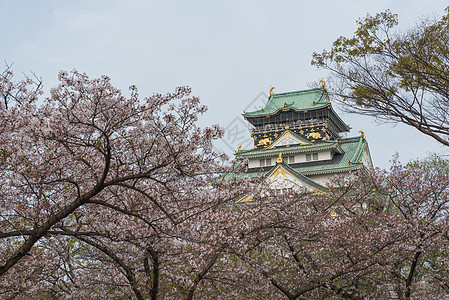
298, 141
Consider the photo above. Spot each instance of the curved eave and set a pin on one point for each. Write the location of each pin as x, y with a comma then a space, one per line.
353, 167
357, 157
256, 114
300, 149
345, 126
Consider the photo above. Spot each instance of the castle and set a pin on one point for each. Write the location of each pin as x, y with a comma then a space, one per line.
298, 142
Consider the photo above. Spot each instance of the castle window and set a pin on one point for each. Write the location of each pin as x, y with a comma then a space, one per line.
290, 159
265, 162
312, 156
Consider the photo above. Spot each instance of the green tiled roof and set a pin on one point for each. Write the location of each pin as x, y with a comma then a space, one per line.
353, 151
299, 100
291, 149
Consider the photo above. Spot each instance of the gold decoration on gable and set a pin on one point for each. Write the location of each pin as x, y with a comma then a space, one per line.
264, 142
279, 171
315, 135
248, 198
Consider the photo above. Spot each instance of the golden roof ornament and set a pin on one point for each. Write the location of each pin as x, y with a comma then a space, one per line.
362, 134
239, 148
271, 90
323, 84
279, 158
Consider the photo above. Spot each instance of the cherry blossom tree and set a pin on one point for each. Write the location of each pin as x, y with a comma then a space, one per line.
375, 235
107, 195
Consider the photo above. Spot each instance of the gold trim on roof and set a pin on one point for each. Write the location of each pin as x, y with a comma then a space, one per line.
279, 171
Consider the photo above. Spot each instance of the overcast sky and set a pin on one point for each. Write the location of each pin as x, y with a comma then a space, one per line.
229, 52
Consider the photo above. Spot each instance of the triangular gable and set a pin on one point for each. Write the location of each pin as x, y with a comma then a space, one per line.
245, 199
288, 138
284, 176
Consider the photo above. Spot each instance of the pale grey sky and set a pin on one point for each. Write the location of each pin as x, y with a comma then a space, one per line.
227, 51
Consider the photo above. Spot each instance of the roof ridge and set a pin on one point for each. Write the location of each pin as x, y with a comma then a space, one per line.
355, 159
296, 92
310, 99
350, 139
